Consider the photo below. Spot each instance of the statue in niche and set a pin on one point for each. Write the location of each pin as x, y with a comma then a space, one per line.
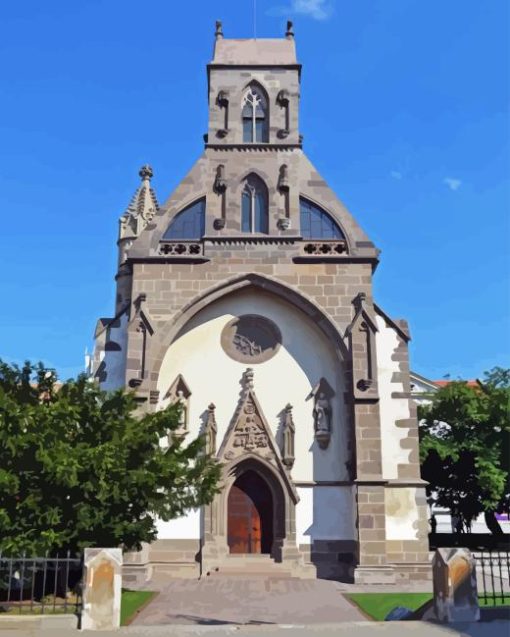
210, 430
183, 415
179, 394
322, 414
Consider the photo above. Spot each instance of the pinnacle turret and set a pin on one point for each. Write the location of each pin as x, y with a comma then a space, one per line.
141, 209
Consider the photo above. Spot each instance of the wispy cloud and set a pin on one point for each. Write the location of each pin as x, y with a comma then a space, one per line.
316, 9
396, 174
453, 184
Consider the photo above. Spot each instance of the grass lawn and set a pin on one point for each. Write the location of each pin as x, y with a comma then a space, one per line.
132, 602
378, 605
490, 602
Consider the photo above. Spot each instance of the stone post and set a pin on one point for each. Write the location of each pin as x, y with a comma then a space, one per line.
102, 588
455, 592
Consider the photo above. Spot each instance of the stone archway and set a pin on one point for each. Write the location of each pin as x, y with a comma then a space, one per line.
250, 515
215, 517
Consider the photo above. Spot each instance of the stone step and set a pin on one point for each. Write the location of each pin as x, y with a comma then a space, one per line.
250, 565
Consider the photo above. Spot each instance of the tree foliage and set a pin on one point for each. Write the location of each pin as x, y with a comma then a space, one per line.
465, 446
79, 468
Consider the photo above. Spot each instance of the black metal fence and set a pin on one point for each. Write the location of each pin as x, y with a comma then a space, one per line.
472, 541
493, 577
41, 585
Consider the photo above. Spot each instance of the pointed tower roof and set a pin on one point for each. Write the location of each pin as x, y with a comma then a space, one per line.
142, 207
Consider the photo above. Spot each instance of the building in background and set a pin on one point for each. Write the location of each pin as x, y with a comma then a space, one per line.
247, 297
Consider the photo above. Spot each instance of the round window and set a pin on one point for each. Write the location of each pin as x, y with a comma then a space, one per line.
251, 338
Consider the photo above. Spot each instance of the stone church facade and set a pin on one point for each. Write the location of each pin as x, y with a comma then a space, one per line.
247, 297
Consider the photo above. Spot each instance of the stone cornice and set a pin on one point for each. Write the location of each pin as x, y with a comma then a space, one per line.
349, 258
169, 259
323, 483
254, 147
390, 482
245, 239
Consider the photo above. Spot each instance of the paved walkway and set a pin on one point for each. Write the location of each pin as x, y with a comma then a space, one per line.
248, 601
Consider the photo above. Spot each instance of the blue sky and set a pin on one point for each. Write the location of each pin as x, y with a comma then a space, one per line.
404, 111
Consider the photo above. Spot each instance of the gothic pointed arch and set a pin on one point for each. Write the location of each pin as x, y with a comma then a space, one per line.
167, 333
316, 223
255, 114
189, 223
254, 205
249, 435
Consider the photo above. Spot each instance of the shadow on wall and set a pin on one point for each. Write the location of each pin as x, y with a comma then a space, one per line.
333, 510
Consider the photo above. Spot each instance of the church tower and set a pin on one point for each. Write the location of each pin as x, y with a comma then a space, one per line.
247, 297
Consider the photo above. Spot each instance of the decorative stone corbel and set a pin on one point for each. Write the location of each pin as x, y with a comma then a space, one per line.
361, 336
223, 102
283, 178
143, 327
322, 394
284, 187
283, 100
289, 431
220, 187
210, 431
179, 393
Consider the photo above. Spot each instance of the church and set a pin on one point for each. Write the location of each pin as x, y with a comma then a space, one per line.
247, 298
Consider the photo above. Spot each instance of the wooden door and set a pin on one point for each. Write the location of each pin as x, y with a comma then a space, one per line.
244, 526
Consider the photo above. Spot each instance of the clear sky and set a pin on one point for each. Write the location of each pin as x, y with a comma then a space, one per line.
404, 112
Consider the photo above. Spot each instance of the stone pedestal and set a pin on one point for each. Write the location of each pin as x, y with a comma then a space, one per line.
455, 591
102, 589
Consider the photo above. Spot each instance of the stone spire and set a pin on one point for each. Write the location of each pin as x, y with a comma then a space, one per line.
141, 209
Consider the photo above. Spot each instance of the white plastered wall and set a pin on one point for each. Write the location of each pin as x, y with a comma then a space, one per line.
391, 409
325, 513
401, 513
304, 357
115, 361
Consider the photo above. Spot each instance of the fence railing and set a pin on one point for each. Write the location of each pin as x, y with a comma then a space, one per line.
493, 576
41, 585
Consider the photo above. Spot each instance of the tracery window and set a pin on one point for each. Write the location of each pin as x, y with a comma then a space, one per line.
188, 224
254, 205
255, 116
316, 223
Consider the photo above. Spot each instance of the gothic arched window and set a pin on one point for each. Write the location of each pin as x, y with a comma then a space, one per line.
316, 223
255, 116
254, 206
188, 224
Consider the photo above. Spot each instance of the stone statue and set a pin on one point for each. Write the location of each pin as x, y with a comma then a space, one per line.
183, 415
322, 414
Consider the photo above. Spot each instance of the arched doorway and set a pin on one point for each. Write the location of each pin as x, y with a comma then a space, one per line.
250, 526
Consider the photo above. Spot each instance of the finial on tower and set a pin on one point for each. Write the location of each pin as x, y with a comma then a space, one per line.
145, 172
219, 30
289, 34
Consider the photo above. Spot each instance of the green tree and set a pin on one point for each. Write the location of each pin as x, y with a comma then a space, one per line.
79, 468
465, 447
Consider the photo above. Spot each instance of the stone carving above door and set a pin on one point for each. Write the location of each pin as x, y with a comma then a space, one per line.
251, 338
249, 435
